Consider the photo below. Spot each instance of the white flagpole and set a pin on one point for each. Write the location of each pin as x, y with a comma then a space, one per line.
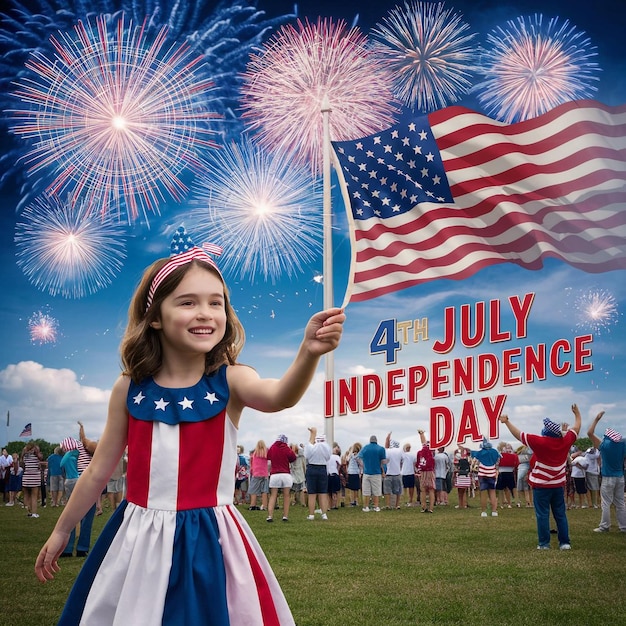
329, 362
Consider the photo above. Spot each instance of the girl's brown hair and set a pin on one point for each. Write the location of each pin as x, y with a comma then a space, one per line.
140, 349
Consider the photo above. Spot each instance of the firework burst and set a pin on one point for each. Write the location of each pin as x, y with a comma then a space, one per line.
43, 328
66, 250
595, 311
264, 211
117, 119
286, 83
223, 35
533, 65
428, 50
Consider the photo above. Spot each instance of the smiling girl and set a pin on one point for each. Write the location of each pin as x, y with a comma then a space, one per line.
176, 551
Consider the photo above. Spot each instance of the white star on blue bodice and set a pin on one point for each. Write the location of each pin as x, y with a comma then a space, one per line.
148, 401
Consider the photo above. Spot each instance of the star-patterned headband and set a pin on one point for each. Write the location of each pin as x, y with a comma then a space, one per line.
182, 251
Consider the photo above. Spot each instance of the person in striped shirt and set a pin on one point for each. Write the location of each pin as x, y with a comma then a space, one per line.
547, 474
488, 458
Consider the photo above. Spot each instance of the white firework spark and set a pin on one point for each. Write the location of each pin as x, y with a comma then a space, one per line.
117, 119
596, 311
429, 51
262, 209
67, 250
43, 328
287, 82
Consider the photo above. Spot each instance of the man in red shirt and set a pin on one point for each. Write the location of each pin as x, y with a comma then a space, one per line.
547, 475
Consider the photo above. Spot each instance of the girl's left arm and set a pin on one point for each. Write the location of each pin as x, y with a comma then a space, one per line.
322, 334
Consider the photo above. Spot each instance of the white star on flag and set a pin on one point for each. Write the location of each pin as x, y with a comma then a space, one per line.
160, 404
138, 398
211, 397
186, 404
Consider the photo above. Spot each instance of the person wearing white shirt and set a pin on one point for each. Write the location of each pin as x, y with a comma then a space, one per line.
579, 467
407, 470
5, 465
317, 454
334, 481
442, 467
593, 475
392, 482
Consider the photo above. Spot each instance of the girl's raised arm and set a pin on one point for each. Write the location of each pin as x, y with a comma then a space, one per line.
91, 482
322, 334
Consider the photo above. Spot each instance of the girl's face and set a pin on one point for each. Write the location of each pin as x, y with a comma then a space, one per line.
193, 317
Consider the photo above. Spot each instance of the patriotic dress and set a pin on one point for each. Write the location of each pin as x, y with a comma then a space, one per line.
177, 551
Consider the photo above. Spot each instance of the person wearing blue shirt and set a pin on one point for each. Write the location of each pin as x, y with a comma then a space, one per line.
55, 476
488, 458
373, 457
612, 453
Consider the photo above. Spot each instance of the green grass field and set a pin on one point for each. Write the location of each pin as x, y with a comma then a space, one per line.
396, 567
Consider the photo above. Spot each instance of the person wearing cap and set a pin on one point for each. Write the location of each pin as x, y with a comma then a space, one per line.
547, 474
373, 457
612, 453
75, 460
280, 455
488, 458
317, 454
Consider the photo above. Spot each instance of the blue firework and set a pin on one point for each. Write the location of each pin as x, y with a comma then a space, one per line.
429, 51
224, 35
534, 64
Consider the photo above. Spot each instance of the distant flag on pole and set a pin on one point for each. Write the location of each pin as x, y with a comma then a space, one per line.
27, 431
446, 194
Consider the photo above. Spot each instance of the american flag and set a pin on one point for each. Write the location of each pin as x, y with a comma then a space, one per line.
27, 431
446, 194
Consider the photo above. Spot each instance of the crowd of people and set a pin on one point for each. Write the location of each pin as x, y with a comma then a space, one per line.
317, 476
371, 476
31, 482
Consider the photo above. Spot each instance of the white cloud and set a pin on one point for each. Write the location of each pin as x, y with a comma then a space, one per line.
52, 400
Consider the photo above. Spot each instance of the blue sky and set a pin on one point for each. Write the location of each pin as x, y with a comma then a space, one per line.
54, 385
